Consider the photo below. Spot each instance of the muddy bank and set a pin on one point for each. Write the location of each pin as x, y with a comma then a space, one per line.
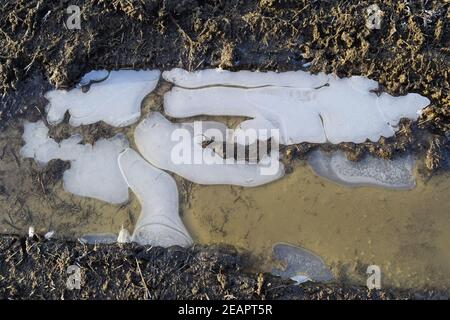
37, 269
409, 53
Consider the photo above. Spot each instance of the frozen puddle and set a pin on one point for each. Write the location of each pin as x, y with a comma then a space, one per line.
105, 171
304, 107
93, 172
301, 106
370, 171
113, 97
300, 265
155, 140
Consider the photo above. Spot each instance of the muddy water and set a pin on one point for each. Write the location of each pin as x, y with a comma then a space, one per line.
406, 233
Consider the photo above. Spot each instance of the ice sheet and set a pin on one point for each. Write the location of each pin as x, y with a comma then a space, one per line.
93, 172
370, 171
305, 110
299, 264
116, 100
154, 140
159, 223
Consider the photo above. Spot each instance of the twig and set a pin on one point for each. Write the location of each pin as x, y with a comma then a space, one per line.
147, 294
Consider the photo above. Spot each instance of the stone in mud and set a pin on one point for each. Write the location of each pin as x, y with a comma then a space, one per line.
159, 223
177, 148
370, 171
304, 107
116, 100
300, 264
93, 172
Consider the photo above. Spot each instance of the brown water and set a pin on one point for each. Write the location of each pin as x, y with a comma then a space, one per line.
406, 233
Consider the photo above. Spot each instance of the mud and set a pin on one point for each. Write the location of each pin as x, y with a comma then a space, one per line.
37, 269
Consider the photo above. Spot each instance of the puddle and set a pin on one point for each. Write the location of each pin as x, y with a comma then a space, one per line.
405, 232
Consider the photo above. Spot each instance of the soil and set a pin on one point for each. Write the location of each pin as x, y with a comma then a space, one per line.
37, 269
410, 53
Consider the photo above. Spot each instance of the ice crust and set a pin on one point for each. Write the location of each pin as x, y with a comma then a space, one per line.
370, 171
300, 264
159, 222
115, 100
304, 107
153, 138
93, 172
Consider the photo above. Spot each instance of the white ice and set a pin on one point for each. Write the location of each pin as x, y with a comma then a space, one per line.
93, 172
244, 78
159, 223
370, 171
116, 100
154, 140
299, 104
93, 77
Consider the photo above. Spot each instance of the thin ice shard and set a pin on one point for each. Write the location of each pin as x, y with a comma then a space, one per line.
93, 76
300, 264
98, 238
